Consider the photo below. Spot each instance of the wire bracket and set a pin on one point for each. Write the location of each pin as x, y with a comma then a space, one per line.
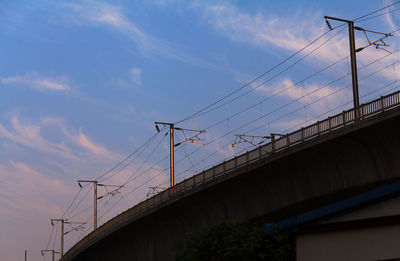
109, 191
80, 226
377, 43
251, 139
193, 139
154, 191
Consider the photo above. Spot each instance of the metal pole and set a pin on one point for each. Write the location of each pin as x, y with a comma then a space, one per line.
95, 205
354, 70
53, 254
171, 131
353, 64
26, 255
62, 238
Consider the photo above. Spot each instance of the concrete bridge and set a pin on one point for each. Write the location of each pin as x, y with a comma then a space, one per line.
316, 165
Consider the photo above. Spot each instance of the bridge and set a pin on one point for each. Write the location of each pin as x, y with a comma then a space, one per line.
325, 162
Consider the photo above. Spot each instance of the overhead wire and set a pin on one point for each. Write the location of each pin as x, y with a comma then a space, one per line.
221, 99
127, 157
48, 241
151, 138
376, 11
283, 90
138, 175
293, 101
342, 105
326, 85
82, 200
256, 78
373, 17
275, 75
104, 178
144, 146
72, 202
316, 117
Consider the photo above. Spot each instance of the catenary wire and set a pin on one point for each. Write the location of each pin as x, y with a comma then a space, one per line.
293, 101
293, 55
254, 79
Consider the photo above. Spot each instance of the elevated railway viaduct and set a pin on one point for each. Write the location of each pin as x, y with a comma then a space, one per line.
316, 165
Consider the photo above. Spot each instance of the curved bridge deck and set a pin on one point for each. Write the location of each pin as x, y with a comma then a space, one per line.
326, 161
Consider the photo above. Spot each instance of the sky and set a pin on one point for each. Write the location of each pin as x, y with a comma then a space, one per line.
82, 83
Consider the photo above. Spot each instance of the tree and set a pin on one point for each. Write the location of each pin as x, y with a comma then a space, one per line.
236, 242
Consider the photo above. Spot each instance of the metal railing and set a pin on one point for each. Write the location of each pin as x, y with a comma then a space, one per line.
289, 140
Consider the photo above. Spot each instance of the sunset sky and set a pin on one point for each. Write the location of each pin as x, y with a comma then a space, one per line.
82, 83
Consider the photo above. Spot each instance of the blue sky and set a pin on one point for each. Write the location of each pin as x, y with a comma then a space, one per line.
82, 83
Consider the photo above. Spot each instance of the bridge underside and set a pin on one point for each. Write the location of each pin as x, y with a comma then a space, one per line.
326, 169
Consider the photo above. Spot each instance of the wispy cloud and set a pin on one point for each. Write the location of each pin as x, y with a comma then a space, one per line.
29, 135
37, 82
305, 93
113, 17
136, 76
103, 14
94, 148
287, 33
283, 33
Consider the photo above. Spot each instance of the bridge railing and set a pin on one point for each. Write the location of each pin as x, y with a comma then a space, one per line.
314, 130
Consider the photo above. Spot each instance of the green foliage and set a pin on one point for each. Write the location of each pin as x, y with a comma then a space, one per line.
233, 242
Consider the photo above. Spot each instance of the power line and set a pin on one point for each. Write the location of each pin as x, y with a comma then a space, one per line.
204, 110
373, 17
138, 169
144, 148
223, 147
48, 241
127, 157
193, 115
72, 202
292, 102
373, 12
342, 105
253, 80
274, 76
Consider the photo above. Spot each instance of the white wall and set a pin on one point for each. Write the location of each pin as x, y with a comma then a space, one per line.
375, 243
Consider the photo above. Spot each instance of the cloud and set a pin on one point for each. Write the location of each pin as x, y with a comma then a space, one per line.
96, 149
37, 82
289, 33
24, 188
136, 76
113, 17
305, 93
29, 135
28, 199
285, 33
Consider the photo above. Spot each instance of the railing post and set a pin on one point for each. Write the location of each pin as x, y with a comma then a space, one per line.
319, 128
329, 123
287, 140
362, 110
273, 143
382, 104
344, 118
302, 134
